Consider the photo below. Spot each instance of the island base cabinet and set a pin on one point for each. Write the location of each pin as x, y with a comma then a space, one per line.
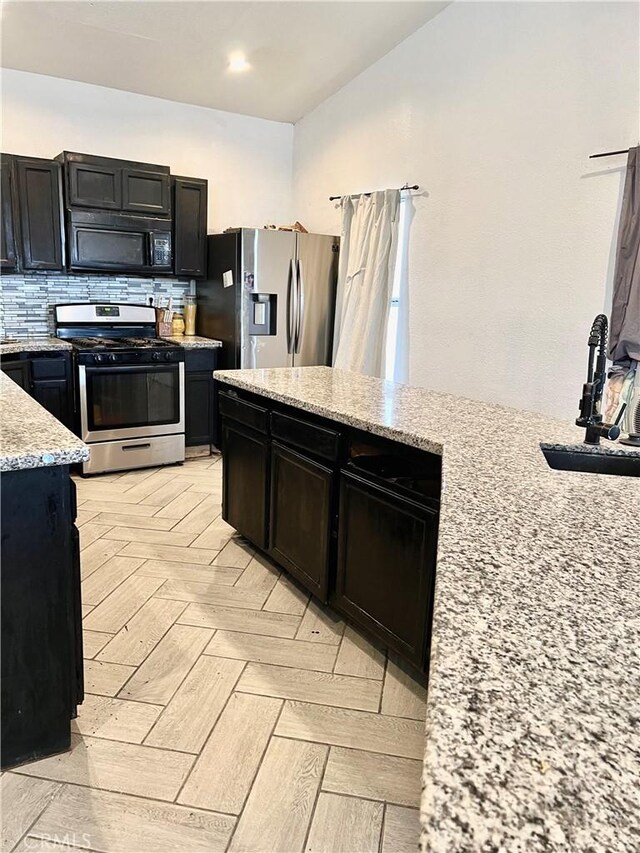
385, 566
245, 469
41, 650
300, 529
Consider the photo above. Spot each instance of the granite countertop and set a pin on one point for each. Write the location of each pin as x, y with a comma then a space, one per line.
30, 437
44, 344
532, 739
35, 344
193, 341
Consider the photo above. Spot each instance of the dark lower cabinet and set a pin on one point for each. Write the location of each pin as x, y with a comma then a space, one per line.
300, 517
352, 516
47, 377
41, 682
53, 395
200, 409
20, 372
75, 635
386, 564
199, 418
245, 474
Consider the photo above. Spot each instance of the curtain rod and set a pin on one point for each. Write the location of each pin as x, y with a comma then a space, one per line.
609, 153
405, 188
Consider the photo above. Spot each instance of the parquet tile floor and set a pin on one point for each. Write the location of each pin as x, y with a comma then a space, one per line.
225, 709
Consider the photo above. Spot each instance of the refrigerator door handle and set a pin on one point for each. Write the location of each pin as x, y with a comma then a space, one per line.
300, 312
291, 299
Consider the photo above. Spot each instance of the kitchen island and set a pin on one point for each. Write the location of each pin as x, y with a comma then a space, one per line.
531, 743
41, 612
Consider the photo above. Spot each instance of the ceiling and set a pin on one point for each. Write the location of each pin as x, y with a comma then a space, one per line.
300, 52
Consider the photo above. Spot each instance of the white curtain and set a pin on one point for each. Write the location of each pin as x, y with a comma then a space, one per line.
365, 280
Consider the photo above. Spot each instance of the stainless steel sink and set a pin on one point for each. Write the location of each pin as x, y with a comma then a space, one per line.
622, 464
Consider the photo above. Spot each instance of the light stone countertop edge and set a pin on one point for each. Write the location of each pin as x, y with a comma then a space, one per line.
49, 344
31, 437
534, 671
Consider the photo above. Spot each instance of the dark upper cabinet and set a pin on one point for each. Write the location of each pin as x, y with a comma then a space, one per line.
9, 258
146, 192
300, 519
32, 230
39, 184
94, 185
386, 562
190, 226
108, 184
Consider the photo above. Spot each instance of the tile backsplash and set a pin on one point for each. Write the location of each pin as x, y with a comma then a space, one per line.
26, 301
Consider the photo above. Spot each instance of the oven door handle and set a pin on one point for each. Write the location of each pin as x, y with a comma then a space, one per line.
131, 368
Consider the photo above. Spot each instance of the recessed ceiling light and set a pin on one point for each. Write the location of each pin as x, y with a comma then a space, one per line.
238, 62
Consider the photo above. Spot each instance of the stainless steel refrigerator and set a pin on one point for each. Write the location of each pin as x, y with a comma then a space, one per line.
269, 297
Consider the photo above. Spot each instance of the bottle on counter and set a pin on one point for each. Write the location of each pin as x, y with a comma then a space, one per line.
189, 314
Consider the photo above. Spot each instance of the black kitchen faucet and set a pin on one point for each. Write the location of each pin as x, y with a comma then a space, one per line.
590, 415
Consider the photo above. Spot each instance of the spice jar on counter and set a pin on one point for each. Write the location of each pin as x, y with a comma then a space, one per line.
177, 325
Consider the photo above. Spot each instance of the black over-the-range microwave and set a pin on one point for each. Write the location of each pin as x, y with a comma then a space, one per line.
119, 214
113, 241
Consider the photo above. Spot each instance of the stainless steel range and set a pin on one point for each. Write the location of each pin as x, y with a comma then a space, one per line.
130, 386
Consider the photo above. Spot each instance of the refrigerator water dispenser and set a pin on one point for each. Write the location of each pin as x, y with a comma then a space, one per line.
263, 313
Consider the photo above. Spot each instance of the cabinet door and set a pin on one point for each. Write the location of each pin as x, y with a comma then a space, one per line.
190, 226
386, 565
39, 185
146, 192
53, 395
19, 372
198, 409
92, 185
8, 260
245, 473
75, 632
301, 516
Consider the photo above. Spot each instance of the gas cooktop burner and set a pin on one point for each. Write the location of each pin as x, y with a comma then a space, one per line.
120, 343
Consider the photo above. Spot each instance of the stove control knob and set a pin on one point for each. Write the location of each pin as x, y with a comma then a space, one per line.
113, 357
167, 356
98, 358
156, 356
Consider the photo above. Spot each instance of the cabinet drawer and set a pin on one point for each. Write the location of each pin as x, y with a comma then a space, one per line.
243, 412
48, 368
199, 359
315, 439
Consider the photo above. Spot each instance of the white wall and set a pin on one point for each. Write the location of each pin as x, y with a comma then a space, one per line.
493, 109
246, 160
